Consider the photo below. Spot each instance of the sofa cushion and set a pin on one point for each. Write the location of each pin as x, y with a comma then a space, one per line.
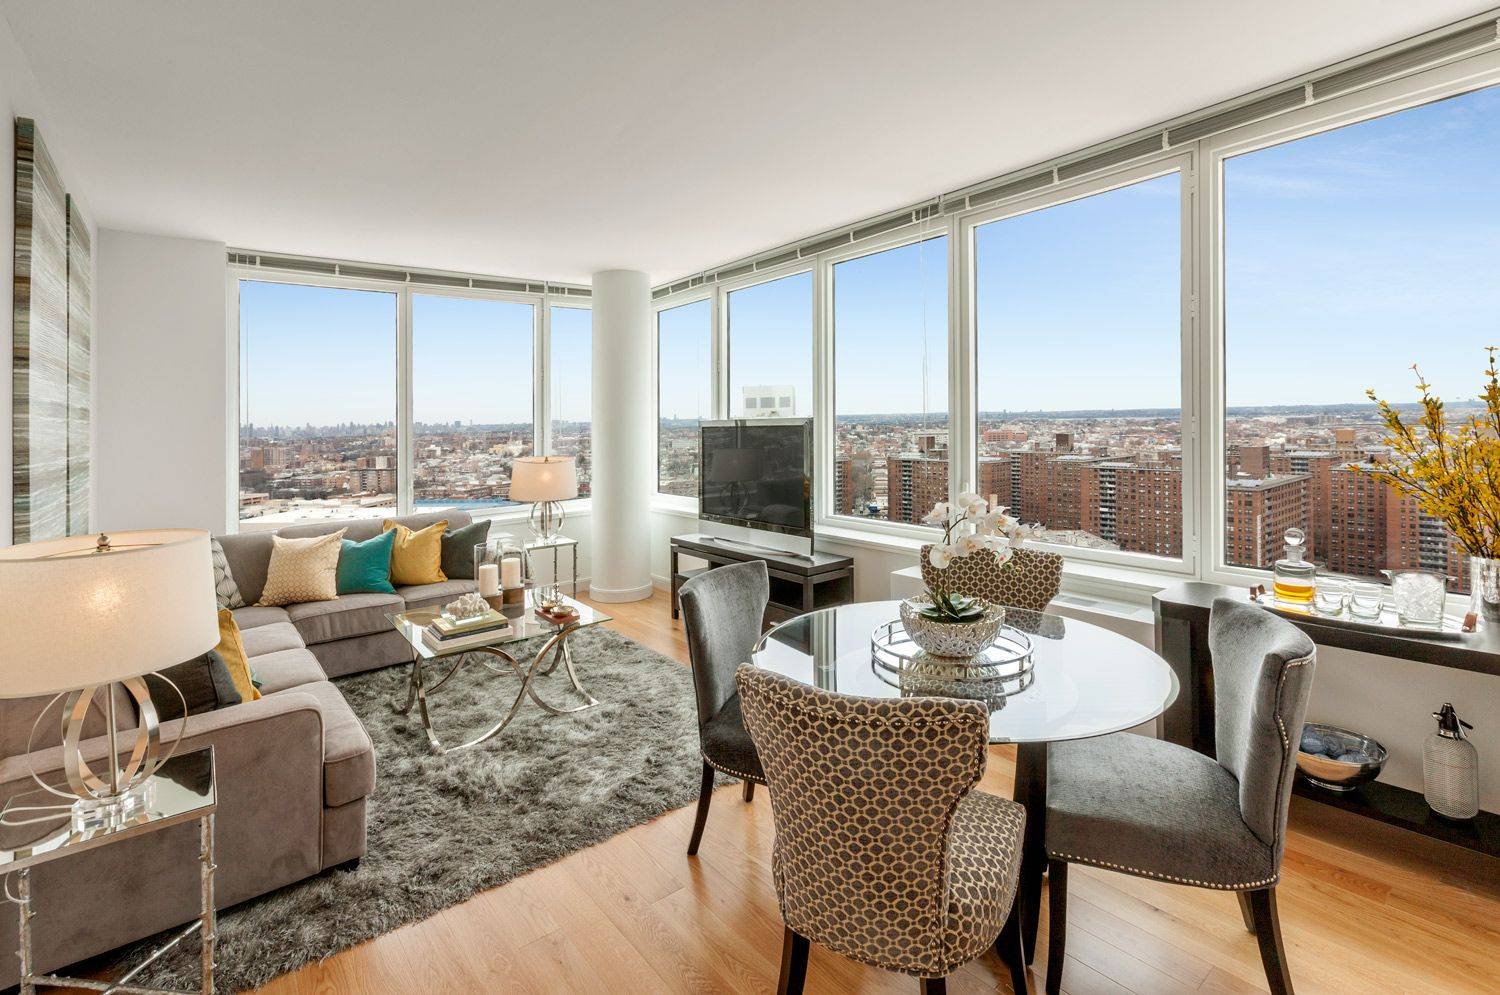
202, 684
231, 650
286, 669
365, 567
348, 755
258, 615
271, 638
434, 595
418, 556
344, 617
458, 549
248, 555
303, 570
225, 589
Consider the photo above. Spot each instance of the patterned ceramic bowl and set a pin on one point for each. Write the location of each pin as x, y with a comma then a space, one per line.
950, 639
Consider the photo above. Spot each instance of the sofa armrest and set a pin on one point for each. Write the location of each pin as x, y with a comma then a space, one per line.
276, 709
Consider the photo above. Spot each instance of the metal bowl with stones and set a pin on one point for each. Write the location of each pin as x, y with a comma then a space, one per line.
1337, 759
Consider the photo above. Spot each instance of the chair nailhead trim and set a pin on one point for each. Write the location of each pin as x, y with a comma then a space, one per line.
1246, 886
732, 773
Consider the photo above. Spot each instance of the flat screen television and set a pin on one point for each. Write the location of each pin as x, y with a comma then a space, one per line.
757, 473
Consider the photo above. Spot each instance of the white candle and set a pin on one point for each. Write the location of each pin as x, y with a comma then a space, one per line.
489, 580
510, 572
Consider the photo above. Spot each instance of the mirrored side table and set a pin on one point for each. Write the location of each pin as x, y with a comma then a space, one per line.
36, 829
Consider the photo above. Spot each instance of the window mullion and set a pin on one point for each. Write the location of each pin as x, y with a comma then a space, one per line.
405, 486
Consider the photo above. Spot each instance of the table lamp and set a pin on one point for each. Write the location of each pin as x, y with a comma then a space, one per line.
545, 481
81, 614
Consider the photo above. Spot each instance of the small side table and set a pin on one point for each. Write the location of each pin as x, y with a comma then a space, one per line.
181, 791
557, 545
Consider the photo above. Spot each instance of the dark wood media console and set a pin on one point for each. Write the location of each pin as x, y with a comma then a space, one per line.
1182, 639
798, 584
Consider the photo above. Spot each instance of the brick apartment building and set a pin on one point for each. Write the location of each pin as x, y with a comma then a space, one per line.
1258, 511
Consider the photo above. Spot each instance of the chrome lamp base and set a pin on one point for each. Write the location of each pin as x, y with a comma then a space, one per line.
546, 520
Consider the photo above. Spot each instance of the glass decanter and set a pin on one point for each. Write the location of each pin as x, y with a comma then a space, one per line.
1294, 578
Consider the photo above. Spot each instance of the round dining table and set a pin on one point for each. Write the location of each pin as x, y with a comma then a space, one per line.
1084, 681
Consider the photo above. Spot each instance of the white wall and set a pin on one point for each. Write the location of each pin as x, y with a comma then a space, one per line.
161, 362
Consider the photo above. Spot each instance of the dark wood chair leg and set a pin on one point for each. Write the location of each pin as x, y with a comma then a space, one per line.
1011, 951
749, 791
705, 795
1057, 923
1249, 916
1268, 935
934, 986
794, 949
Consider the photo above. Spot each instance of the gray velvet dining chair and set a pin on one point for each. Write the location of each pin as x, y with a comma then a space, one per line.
884, 852
1150, 808
1029, 579
722, 614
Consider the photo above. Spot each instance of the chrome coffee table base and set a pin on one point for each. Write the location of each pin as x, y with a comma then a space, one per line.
418, 690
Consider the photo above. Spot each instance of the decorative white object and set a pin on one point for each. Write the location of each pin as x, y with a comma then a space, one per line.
510, 573
545, 481
81, 614
467, 606
969, 527
489, 579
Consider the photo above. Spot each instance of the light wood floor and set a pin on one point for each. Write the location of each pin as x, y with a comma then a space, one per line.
1360, 913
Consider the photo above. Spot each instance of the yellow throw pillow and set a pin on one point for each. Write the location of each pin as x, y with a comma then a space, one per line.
303, 569
418, 556
231, 650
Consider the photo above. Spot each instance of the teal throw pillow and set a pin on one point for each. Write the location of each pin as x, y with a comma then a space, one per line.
365, 567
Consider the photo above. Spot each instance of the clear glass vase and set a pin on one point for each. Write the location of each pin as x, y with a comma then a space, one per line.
1484, 588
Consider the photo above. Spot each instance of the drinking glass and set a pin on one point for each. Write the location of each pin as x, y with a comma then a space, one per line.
1331, 597
1366, 600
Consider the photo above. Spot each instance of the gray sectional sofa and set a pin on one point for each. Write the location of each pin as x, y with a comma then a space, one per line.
295, 768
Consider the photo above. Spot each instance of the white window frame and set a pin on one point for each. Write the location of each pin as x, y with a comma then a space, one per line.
1183, 163
679, 502
541, 344
824, 387
545, 367
1473, 73
722, 331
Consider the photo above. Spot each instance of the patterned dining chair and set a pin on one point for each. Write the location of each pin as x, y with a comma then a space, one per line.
722, 614
1142, 806
884, 853
1029, 580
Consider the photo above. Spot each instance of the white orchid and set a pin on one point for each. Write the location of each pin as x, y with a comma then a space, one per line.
938, 515
940, 556
967, 545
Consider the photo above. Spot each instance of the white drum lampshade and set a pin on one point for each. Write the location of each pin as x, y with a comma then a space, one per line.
73, 616
544, 480
78, 615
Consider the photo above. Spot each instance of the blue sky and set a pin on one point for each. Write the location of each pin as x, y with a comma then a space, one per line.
1349, 256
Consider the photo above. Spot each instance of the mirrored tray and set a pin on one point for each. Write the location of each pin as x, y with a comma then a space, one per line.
1389, 622
1006, 659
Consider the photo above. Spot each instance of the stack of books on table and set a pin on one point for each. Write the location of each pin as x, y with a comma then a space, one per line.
450, 634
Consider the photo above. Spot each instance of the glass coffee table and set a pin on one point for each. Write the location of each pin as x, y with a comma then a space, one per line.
432, 668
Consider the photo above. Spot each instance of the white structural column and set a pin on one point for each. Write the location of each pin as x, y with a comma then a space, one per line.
624, 437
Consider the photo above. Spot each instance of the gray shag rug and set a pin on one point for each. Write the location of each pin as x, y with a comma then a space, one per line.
442, 828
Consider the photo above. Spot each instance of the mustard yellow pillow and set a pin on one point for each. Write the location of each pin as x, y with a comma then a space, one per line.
231, 650
418, 556
303, 569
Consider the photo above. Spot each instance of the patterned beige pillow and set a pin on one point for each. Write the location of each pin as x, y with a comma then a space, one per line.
303, 570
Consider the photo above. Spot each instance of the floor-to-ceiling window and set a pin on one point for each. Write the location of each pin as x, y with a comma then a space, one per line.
471, 398
771, 348
318, 402
1349, 256
890, 382
570, 384
684, 380
1078, 325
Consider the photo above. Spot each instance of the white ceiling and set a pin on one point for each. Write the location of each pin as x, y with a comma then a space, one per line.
553, 138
